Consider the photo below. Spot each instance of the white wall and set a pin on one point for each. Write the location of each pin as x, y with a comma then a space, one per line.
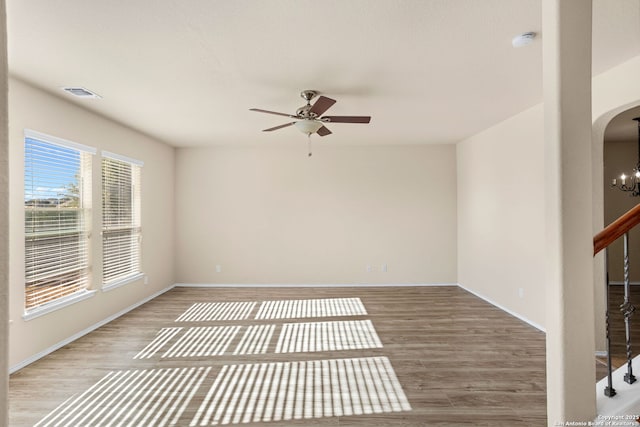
272, 215
501, 225
34, 109
513, 150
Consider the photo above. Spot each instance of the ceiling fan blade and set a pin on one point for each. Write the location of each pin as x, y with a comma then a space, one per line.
272, 112
323, 131
322, 104
278, 127
347, 119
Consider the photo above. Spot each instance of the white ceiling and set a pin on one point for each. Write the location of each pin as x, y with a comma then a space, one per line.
187, 72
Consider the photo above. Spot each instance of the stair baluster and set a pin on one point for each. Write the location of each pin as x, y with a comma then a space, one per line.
627, 309
609, 390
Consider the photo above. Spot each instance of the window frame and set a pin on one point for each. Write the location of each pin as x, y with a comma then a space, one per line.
85, 198
135, 226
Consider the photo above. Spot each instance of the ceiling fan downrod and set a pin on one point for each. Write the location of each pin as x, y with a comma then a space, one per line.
308, 95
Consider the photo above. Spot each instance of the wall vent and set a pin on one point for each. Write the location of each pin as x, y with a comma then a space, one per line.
81, 92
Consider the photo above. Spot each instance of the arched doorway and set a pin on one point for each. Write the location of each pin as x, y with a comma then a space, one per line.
620, 156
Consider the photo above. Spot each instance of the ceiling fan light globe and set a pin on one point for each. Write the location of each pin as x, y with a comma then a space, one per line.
308, 126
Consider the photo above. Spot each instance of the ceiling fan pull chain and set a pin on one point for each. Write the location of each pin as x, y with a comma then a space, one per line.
309, 144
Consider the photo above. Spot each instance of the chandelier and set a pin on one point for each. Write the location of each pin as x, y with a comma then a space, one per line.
630, 183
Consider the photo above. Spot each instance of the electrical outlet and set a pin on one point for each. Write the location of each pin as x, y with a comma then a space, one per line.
146, 279
383, 268
521, 292
218, 268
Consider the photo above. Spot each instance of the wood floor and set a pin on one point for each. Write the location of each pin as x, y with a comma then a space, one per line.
455, 359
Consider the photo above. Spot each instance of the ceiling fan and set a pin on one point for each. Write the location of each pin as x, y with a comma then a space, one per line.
308, 118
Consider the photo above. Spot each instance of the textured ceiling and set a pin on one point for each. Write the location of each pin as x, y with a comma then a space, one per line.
186, 72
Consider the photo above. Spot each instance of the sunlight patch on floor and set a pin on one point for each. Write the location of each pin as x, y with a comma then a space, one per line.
255, 340
155, 397
242, 393
211, 311
298, 309
297, 390
327, 336
162, 338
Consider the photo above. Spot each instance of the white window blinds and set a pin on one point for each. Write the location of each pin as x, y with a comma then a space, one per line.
121, 229
57, 200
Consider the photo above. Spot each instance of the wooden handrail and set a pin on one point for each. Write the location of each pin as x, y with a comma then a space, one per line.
616, 229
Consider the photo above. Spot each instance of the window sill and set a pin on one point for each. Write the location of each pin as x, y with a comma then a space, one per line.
58, 304
125, 281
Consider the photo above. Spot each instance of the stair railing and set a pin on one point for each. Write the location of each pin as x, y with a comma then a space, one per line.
602, 240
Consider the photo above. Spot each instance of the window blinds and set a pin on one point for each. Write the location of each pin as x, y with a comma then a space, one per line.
121, 231
57, 192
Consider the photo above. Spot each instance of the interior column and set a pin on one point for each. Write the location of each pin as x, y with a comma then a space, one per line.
566, 36
4, 224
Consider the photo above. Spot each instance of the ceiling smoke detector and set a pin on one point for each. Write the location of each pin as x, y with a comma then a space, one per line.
81, 92
523, 39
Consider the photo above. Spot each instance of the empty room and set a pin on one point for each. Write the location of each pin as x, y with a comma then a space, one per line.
338, 213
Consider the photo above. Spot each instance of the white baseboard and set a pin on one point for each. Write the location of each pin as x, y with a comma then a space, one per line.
601, 353
317, 285
505, 309
80, 334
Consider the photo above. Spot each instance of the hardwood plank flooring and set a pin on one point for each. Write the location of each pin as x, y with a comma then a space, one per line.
457, 360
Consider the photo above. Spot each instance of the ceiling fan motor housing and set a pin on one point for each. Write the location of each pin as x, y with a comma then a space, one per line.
305, 112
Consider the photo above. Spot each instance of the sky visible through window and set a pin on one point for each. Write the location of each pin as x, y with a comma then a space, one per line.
62, 177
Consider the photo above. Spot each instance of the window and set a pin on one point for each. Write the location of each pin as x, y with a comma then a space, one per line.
121, 231
57, 203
